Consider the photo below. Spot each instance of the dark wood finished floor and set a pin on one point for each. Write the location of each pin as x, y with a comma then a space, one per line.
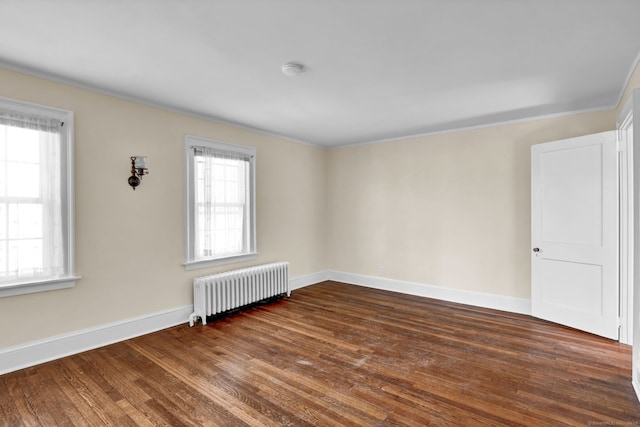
335, 354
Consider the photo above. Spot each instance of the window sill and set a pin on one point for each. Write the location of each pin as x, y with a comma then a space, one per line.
22, 288
203, 263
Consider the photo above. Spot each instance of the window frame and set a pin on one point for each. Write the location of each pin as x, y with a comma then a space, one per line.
19, 287
191, 262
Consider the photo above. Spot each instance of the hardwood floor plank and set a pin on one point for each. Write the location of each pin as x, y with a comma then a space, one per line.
75, 392
9, 411
19, 409
337, 355
306, 404
61, 407
32, 407
106, 362
338, 399
156, 377
213, 388
134, 413
80, 385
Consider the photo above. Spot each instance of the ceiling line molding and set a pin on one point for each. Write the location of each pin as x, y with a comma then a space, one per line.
93, 88
634, 65
480, 126
143, 101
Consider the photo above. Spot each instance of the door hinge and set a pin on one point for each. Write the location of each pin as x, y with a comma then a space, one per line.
619, 322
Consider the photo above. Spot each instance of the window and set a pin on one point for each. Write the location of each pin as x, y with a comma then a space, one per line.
220, 212
36, 198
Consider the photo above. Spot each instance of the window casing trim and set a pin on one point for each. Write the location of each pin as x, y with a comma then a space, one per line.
19, 287
190, 142
203, 263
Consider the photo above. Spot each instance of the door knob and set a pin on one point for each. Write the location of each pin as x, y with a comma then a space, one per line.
536, 250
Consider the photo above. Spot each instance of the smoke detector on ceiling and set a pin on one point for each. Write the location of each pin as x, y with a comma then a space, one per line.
292, 69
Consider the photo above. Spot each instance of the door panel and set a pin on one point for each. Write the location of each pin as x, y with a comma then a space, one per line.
554, 275
574, 230
576, 219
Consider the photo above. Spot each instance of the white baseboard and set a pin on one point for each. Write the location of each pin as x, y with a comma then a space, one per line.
309, 279
48, 349
478, 299
636, 387
36, 352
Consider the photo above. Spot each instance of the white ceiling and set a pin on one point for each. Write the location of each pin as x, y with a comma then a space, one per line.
375, 69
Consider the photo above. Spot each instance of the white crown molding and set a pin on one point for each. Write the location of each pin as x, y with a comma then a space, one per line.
497, 123
627, 80
166, 107
476, 127
143, 101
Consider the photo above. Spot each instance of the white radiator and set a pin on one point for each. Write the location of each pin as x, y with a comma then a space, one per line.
232, 289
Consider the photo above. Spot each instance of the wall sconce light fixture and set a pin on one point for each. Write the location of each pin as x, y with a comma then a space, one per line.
138, 169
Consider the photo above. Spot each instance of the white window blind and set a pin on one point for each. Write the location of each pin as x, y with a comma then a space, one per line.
220, 201
35, 214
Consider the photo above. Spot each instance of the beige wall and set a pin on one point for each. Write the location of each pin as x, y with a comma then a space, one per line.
450, 210
129, 245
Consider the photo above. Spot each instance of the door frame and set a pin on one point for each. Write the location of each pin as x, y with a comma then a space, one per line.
626, 224
630, 225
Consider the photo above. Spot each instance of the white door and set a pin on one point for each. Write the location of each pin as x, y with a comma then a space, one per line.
574, 218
